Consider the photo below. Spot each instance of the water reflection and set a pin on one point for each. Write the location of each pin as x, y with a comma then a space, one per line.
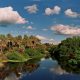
14, 71
58, 70
44, 69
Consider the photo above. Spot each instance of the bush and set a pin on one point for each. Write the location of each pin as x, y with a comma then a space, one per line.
68, 54
15, 56
33, 52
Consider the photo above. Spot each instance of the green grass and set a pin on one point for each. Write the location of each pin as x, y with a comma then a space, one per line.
27, 55
24, 60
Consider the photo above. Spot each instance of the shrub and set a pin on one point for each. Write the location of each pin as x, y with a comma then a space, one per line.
33, 52
15, 56
68, 54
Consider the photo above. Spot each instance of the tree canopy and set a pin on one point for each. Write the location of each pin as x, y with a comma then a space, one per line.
68, 54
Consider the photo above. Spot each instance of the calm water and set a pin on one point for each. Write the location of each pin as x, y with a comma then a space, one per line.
37, 70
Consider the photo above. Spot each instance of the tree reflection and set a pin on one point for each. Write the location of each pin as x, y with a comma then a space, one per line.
17, 69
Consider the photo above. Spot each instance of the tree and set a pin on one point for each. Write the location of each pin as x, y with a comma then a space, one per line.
25, 37
68, 54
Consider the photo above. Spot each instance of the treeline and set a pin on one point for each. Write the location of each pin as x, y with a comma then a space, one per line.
67, 53
9, 42
21, 47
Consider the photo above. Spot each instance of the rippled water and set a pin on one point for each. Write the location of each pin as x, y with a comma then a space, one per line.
46, 69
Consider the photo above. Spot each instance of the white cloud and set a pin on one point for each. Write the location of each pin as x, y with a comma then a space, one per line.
55, 10
41, 37
66, 29
9, 16
31, 9
52, 41
47, 40
58, 70
72, 14
30, 27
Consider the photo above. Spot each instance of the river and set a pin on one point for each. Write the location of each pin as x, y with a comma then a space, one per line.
45, 69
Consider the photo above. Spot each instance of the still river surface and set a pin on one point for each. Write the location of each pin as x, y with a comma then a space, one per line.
44, 69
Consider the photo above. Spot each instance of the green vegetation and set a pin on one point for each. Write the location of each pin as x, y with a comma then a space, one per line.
16, 57
25, 48
20, 49
68, 54
33, 52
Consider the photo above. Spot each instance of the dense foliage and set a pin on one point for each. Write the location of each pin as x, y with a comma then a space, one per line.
20, 48
16, 56
68, 54
33, 52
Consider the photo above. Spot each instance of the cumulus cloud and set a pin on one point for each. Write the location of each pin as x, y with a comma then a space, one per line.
41, 37
30, 27
66, 29
47, 40
31, 9
53, 41
72, 14
55, 10
9, 16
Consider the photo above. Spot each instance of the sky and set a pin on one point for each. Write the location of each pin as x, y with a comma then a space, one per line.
49, 20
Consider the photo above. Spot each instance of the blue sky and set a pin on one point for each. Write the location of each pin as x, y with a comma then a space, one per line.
50, 20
